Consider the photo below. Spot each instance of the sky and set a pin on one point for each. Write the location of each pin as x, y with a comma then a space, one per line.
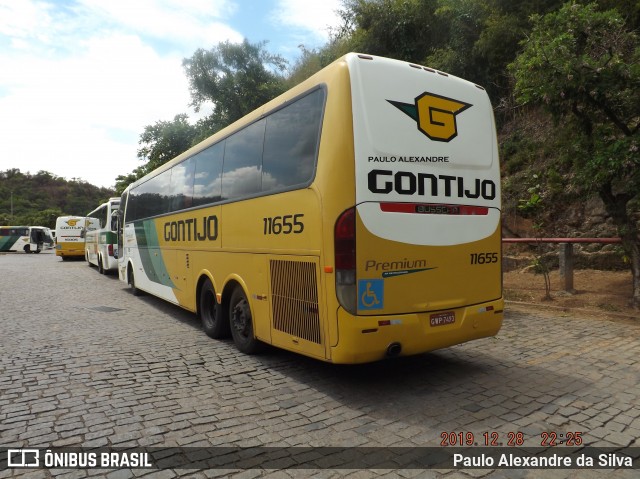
80, 79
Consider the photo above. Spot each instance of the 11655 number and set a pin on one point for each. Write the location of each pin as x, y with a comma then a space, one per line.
484, 258
285, 225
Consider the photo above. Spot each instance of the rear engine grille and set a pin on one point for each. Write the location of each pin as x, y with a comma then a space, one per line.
294, 298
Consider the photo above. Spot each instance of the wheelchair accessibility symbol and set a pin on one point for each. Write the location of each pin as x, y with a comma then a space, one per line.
370, 294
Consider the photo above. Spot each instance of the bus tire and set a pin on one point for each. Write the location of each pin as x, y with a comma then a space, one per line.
100, 266
241, 323
213, 324
132, 282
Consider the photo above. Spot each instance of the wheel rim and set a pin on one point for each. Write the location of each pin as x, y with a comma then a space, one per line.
241, 318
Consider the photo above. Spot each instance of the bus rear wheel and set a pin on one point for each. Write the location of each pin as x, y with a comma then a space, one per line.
241, 323
213, 323
132, 282
100, 265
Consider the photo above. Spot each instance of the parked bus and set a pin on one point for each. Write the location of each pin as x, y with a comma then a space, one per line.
101, 242
353, 218
30, 239
70, 236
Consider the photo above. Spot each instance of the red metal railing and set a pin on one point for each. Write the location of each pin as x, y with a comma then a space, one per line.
562, 240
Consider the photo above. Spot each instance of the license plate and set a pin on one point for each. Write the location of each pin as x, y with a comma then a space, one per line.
442, 319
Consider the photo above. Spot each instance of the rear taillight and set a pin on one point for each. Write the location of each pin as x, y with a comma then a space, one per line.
345, 259
110, 250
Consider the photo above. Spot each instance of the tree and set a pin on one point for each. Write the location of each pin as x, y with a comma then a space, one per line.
161, 142
583, 65
165, 140
461, 22
43, 217
532, 207
36, 200
236, 78
401, 29
122, 181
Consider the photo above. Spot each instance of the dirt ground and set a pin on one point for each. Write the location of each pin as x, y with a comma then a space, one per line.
603, 294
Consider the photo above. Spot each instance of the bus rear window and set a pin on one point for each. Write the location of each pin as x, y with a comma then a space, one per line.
291, 143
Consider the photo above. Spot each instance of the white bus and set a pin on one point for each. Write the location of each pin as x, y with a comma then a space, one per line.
70, 234
100, 241
353, 218
30, 239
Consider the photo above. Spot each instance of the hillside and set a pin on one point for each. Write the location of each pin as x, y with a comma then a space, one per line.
38, 199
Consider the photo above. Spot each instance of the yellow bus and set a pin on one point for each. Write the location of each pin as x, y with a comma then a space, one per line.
70, 236
355, 217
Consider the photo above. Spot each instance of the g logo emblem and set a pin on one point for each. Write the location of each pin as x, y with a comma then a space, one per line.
435, 115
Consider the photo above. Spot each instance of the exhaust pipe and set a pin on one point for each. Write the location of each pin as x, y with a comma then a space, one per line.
394, 350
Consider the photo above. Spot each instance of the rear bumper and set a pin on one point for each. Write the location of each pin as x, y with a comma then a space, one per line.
368, 338
69, 251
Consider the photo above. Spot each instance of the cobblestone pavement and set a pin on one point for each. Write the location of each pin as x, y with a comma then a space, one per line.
85, 363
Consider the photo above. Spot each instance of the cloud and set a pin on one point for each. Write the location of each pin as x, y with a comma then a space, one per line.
309, 17
80, 82
80, 79
192, 23
62, 114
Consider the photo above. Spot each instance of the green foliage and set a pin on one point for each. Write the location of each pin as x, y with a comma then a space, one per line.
165, 140
37, 200
555, 181
629, 8
312, 61
473, 39
402, 29
532, 206
582, 61
460, 25
235, 78
122, 181
516, 152
583, 65
160, 142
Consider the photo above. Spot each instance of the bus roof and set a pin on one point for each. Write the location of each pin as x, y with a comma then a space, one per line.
349, 60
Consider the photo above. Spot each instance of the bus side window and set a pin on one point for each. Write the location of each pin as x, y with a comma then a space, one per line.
207, 176
291, 143
242, 165
181, 189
